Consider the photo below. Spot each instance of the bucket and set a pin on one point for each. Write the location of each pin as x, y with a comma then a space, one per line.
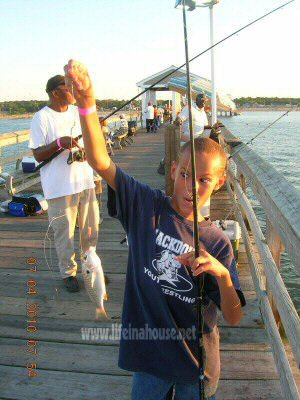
232, 230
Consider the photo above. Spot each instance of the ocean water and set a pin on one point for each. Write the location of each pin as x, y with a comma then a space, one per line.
279, 145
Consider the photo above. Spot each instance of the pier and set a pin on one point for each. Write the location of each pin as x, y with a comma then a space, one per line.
255, 363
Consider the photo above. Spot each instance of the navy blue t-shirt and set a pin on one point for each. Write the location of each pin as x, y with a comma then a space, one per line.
159, 311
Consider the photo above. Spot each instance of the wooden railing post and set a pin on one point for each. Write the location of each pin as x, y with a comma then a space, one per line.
172, 146
276, 249
242, 181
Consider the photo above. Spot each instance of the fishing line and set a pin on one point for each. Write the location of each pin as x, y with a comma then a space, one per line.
45, 255
198, 55
171, 73
256, 136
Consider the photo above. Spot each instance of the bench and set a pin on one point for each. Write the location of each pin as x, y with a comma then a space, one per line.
122, 139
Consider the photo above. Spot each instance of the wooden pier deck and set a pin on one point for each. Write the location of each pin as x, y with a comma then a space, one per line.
69, 367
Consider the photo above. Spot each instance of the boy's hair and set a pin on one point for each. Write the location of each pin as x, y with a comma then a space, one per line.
208, 146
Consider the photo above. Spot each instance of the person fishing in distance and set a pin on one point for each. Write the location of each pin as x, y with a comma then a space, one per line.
68, 185
160, 292
199, 116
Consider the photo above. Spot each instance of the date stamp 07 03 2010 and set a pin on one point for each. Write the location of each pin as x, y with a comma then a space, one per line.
31, 319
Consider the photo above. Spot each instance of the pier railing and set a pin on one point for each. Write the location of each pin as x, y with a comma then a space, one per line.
16, 181
281, 203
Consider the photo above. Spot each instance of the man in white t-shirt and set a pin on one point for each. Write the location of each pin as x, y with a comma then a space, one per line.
68, 187
149, 117
199, 120
122, 125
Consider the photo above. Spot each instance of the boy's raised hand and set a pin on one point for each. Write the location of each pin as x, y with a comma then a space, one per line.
204, 263
79, 83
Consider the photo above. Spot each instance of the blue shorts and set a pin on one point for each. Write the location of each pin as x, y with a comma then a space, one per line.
150, 387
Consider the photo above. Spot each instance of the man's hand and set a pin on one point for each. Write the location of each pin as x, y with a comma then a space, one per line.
204, 263
68, 143
79, 83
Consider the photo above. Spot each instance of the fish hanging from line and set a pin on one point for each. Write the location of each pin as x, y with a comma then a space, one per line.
94, 283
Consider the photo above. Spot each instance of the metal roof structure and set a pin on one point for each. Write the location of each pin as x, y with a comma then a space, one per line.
177, 83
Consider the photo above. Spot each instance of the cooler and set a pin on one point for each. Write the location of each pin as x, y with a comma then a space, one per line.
29, 164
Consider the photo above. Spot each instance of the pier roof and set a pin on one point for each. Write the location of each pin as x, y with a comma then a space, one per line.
177, 83
164, 84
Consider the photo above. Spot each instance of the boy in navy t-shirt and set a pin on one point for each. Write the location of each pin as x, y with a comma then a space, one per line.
158, 340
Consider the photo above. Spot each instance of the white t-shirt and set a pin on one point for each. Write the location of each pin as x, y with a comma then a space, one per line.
57, 177
149, 112
199, 121
122, 124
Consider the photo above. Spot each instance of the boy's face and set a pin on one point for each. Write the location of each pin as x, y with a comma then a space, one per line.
207, 179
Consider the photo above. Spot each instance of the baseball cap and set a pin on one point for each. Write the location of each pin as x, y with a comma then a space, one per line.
54, 82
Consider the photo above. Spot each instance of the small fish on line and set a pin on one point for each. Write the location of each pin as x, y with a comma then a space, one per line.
94, 283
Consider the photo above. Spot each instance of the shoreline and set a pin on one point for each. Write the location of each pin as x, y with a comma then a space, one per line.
101, 113
16, 116
30, 115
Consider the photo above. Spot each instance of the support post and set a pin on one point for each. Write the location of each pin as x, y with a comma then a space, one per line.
276, 249
172, 146
242, 182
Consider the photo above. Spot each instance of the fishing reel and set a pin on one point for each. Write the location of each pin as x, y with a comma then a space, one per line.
77, 155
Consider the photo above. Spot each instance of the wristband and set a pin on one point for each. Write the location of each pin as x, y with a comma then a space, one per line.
59, 144
87, 111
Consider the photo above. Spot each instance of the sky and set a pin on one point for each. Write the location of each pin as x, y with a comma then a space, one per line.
123, 42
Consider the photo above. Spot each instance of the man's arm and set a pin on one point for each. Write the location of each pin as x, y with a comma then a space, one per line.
94, 142
44, 152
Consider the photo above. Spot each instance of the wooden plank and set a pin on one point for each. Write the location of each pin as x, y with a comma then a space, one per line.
69, 307
47, 283
13, 280
7, 139
97, 359
63, 385
249, 390
58, 385
115, 263
62, 330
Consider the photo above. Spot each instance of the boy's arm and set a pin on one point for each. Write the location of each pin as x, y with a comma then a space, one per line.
230, 302
77, 78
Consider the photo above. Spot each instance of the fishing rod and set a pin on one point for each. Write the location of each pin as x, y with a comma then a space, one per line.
171, 73
256, 136
200, 279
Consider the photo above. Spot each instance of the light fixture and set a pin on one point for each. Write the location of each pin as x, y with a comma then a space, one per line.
190, 5
206, 3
